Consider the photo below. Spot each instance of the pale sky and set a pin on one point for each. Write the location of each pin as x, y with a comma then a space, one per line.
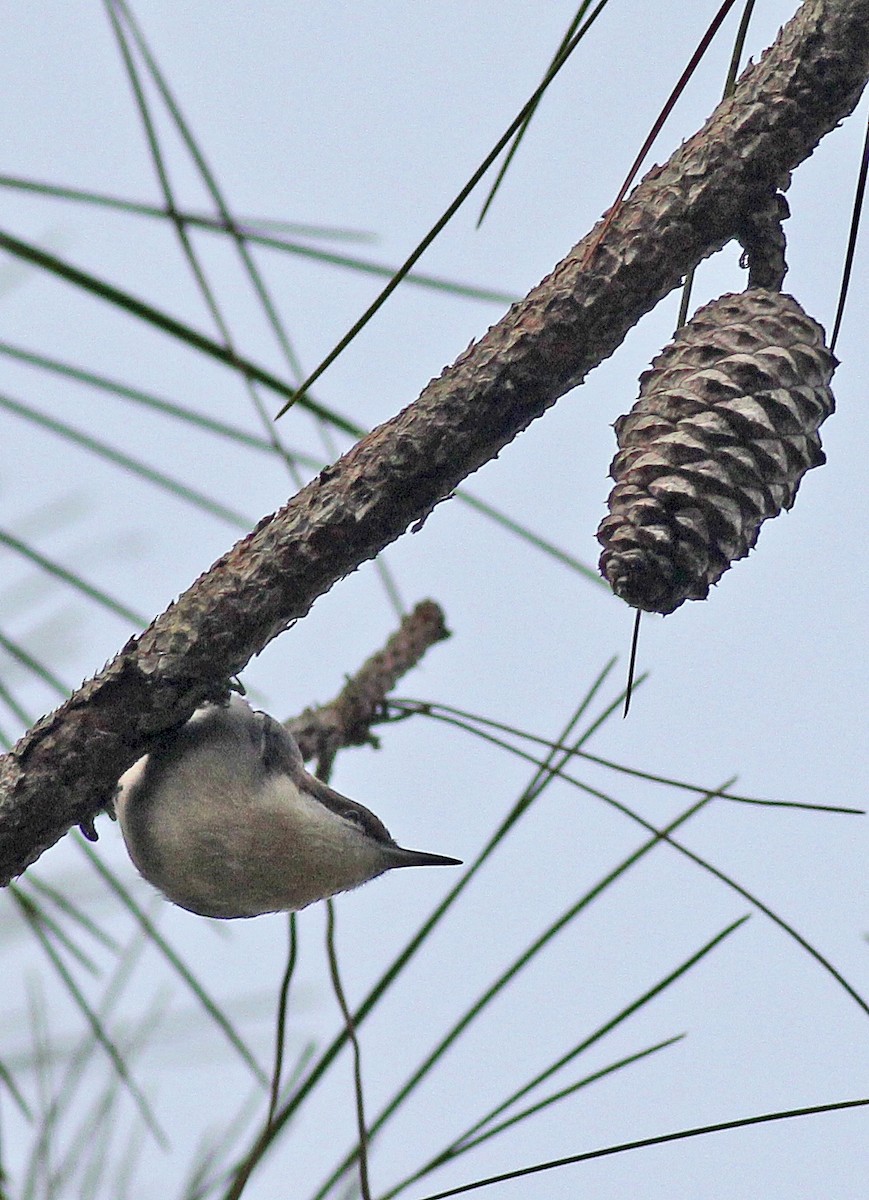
371, 117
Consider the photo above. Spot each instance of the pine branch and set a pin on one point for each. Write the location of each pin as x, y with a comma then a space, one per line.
63, 771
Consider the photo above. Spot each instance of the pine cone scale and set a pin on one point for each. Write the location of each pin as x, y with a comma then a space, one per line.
725, 427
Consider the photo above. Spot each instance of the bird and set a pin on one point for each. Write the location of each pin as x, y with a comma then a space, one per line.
223, 819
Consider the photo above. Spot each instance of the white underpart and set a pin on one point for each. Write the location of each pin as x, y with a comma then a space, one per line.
217, 841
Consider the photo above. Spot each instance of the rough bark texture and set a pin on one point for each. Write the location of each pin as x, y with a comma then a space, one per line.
347, 720
64, 769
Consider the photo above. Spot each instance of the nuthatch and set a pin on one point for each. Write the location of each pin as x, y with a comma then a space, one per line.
224, 819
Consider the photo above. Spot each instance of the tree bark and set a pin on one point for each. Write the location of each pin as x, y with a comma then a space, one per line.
64, 769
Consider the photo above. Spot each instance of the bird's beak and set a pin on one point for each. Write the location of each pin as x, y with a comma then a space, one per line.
419, 858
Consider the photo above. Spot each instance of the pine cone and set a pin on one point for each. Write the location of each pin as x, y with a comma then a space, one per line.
725, 427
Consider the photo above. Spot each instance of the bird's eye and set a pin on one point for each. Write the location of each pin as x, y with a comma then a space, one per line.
365, 820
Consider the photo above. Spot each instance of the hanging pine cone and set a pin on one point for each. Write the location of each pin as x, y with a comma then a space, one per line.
725, 427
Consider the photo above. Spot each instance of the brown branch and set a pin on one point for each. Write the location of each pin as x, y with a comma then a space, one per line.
63, 770
763, 242
347, 720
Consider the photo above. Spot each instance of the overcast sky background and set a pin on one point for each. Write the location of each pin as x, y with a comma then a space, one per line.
371, 117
